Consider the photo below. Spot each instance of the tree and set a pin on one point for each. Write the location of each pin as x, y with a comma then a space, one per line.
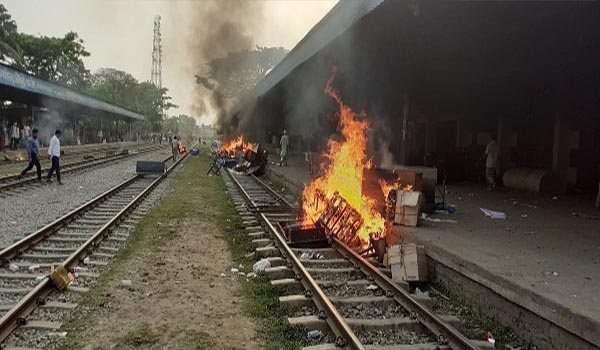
121, 88
9, 50
185, 127
57, 59
240, 71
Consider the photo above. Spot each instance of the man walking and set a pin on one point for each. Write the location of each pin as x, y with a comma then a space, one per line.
175, 148
2, 136
54, 153
284, 143
32, 152
14, 137
491, 152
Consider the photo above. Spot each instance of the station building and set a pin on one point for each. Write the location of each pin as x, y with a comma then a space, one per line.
49, 106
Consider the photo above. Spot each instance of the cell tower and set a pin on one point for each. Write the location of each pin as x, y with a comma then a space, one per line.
156, 78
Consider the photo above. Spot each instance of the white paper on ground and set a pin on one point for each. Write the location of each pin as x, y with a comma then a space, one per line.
493, 214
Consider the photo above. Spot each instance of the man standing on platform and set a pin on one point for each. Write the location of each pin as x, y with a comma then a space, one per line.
14, 137
54, 153
33, 152
284, 143
491, 153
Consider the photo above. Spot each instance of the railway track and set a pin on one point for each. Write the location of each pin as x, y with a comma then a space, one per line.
12, 184
334, 290
83, 241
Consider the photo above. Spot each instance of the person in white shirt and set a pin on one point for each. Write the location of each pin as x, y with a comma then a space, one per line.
491, 153
54, 153
14, 137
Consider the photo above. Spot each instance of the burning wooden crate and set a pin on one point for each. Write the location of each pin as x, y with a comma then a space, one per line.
403, 201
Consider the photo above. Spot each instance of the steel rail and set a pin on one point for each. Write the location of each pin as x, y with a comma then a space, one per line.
71, 167
11, 319
346, 337
441, 329
273, 192
445, 333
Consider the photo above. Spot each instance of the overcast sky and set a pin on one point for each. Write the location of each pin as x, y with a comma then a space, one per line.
118, 33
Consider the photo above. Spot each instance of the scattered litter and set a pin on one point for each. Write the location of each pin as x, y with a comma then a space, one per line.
554, 198
554, 273
372, 287
261, 265
585, 216
222, 274
13, 268
524, 216
490, 338
80, 269
315, 335
425, 217
34, 268
40, 277
234, 270
86, 260
241, 267
493, 214
242, 274
57, 334
251, 275
61, 278
126, 284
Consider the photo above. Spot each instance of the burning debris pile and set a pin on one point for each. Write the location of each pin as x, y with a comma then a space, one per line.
336, 200
252, 157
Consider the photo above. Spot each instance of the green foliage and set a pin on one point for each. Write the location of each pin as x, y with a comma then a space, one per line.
57, 59
121, 88
182, 125
240, 71
9, 50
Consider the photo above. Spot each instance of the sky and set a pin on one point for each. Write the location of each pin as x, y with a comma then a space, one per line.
119, 33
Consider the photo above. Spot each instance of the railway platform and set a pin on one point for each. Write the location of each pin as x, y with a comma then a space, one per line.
544, 258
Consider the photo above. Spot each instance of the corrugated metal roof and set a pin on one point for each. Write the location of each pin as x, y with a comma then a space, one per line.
28, 83
341, 17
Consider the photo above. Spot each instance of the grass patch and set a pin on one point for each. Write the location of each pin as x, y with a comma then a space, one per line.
140, 335
260, 300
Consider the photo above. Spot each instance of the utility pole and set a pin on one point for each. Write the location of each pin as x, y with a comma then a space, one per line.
156, 77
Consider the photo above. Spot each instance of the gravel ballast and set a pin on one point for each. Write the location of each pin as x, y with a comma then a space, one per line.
25, 212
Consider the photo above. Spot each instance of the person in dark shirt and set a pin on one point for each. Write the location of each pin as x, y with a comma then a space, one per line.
33, 146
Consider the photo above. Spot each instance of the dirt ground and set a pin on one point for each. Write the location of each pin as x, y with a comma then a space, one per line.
183, 296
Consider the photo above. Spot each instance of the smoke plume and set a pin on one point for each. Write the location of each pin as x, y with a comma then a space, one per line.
215, 28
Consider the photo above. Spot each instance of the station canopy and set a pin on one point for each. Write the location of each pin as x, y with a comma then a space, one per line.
18, 86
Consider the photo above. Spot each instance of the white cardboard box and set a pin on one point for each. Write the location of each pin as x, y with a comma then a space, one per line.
408, 262
408, 208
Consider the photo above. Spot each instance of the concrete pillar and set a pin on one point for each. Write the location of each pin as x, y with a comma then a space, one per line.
458, 131
561, 147
404, 144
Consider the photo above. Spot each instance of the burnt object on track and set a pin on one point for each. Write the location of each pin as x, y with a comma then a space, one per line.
301, 235
254, 162
144, 167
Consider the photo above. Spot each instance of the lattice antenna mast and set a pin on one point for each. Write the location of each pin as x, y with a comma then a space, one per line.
156, 77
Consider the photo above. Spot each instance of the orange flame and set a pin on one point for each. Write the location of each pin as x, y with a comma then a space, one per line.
343, 171
238, 143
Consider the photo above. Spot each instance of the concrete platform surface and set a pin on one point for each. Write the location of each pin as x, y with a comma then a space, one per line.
545, 253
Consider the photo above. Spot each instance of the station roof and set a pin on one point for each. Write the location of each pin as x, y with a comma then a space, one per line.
26, 88
340, 18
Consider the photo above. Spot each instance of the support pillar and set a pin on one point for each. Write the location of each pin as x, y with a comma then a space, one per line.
403, 143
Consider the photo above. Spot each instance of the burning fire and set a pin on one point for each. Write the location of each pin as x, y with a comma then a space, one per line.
343, 172
238, 143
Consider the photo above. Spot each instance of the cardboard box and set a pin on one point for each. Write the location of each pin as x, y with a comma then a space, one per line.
408, 263
408, 208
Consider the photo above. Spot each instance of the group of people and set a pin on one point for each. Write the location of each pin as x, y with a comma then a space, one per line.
16, 135
33, 146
